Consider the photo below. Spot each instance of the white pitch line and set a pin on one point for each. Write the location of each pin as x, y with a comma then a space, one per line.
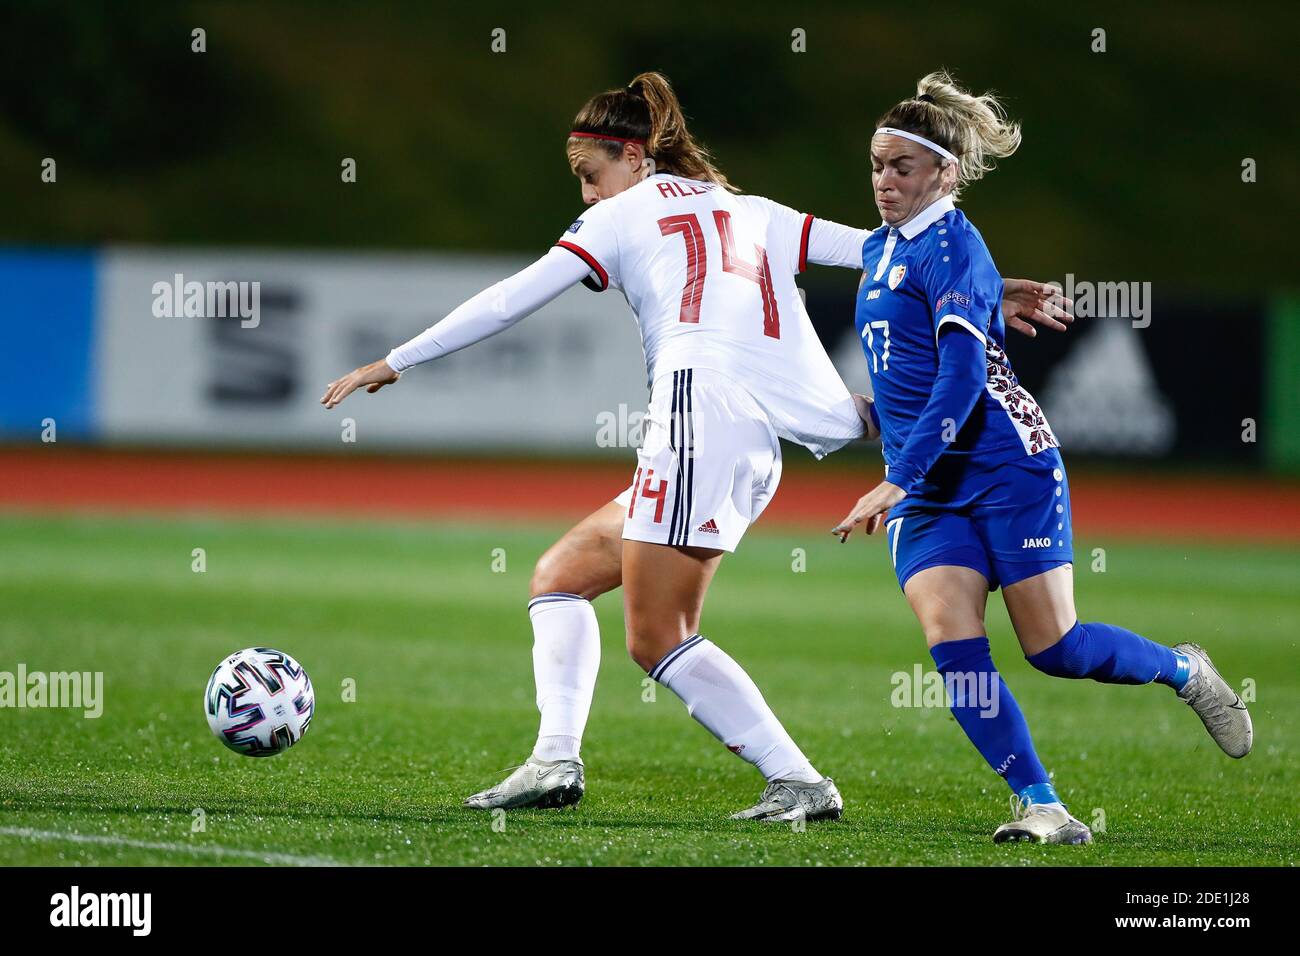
282, 859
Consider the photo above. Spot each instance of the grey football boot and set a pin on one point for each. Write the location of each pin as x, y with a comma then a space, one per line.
545, 784
784, 801
1042, 823
1217, 704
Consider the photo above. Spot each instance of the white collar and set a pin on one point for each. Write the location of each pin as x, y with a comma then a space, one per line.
926, 217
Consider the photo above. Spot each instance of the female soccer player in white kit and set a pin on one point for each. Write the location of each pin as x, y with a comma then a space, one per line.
733, 364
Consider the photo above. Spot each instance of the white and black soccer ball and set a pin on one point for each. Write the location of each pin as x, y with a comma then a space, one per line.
259, 702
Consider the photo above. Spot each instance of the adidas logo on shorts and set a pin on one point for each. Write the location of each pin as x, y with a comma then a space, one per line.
709, 527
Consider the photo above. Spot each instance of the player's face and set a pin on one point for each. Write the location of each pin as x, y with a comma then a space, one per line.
603, 176
906, 177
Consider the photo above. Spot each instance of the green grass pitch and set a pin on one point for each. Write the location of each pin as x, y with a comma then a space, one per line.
439, 647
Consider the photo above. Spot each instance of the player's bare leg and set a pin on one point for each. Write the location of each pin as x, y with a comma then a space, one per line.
584, 564
663, 595
949, 603
1054, 641
1041, 608
588, 558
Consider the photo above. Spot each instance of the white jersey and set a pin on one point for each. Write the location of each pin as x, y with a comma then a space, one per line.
710, 277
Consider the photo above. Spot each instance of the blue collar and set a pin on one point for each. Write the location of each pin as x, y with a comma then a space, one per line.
926, 217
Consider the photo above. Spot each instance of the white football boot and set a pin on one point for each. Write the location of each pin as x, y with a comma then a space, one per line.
1216, 703
546, 784
784, 801
1041, 823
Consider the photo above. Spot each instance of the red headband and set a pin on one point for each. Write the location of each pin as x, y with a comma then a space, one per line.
616, 139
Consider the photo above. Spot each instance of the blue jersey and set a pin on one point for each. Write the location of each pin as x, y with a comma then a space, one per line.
934, 271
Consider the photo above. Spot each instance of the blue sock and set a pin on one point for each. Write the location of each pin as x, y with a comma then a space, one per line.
1112, 655
985, 709
1039, 793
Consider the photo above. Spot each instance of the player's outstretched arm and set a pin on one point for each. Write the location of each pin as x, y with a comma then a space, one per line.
491, 311
1025, 303
371, 377
870, 508
828, 243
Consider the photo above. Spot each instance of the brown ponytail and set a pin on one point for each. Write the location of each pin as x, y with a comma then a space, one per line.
646, 111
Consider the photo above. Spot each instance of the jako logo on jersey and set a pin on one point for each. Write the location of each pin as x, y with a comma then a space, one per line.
709, 527
896, 276
873, 294
955, 297
1036, 543
577, 224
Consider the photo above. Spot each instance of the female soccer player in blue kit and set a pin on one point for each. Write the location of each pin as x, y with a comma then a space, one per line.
975, 488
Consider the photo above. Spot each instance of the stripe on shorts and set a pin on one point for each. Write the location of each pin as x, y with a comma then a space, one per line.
674, 442
689, 417
688, 451
681, 439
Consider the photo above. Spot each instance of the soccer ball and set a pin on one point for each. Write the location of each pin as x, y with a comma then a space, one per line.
259, 702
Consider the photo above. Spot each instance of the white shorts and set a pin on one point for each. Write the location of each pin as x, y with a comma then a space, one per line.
708, 464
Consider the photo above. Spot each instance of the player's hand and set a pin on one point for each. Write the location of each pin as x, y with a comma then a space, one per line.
870, 508
863, 405
371, 377
1025, 301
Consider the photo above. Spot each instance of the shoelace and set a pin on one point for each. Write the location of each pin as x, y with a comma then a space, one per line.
1018, 806
1021, 809
772, 789
1216, 712
496, 787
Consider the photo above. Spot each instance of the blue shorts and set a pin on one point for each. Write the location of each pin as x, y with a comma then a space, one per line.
1008, 521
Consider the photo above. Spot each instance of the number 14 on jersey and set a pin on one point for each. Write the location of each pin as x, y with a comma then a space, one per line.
687, 226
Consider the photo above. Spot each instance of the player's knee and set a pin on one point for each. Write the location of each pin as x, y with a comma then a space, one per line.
1069, 657
951, 628
576, 566
944, 616
648, 645
548, 575
554, 574
641, 650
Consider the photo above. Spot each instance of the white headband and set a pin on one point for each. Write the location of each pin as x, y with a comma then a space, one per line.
889, 130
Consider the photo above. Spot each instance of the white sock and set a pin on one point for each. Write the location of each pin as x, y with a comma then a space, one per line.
566, 659
720, 695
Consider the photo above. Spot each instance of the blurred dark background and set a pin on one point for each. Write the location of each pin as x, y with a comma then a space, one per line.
1131, 160
1131, 168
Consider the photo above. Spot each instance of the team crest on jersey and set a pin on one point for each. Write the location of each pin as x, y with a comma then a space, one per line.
577, 224
896, 276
